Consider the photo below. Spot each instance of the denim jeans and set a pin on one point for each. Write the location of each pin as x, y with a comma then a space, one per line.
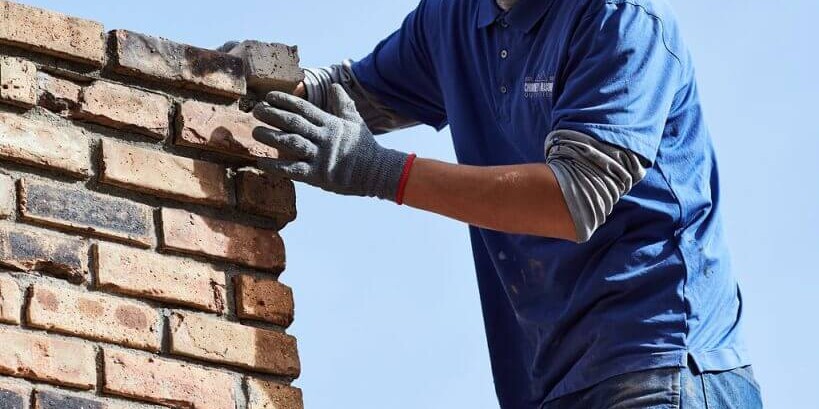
669, 388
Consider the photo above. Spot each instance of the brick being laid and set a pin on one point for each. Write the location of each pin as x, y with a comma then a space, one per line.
187, 66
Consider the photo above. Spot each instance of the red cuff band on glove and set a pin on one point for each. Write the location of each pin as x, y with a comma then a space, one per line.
402, 183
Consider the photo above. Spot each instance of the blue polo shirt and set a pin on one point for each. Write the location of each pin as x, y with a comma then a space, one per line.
653, 287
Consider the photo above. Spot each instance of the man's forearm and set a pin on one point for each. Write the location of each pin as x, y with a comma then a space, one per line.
521, 199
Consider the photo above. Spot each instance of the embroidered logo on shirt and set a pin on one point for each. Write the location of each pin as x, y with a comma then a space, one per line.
540, 86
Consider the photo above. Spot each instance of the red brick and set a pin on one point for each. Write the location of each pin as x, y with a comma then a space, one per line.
270, 395
180, 64
72, 208
266, 195
161, 174
38, 142
6, 196
47, 359
57, 94
161, 381
125, 108
14, 395
263, 300
222, 129
11, 301
18, 81
168, 279
269, 66
93, 316
194, 234
51, 33
215, 340
25, 249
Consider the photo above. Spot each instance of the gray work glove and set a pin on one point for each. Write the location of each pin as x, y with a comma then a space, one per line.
334, 151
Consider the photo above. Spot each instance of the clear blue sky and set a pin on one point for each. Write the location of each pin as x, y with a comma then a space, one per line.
387, 306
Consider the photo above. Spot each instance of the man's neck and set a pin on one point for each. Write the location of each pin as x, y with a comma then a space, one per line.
506, 5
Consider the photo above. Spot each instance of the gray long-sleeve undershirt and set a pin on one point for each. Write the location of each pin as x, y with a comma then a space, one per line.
592, 175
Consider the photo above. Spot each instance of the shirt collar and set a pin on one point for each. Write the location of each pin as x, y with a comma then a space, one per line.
523, 16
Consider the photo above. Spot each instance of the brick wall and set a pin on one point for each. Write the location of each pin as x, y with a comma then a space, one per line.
139, 248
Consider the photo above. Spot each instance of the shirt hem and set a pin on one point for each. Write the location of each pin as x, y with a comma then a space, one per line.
624, 365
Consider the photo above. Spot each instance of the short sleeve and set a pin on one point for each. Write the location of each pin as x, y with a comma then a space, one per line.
400, 72
620, 79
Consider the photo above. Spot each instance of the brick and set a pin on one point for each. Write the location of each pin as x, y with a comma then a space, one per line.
266, 195
6, 196
164, 175
162, 381
18, 81
93, 316
61, 400
52, 33
215, 340
126, 108
28, 250
194, 234
57, 94
14, 395
39, 142
264, 300
168, 279
54, 400
270, 395
269, 66
72, 208
181, 64
11, 301
46, 359
222, 129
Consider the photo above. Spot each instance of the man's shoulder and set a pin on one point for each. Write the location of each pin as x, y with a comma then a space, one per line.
659, 9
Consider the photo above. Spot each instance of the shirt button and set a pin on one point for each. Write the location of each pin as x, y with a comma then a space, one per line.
504, 54
504, 23
503, 89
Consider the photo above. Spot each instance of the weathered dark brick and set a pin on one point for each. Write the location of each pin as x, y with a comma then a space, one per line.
11, 400
72, 208
27, 250
53, 400
269, 66
14, 395
184, 65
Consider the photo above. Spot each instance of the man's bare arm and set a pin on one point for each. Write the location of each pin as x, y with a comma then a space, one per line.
522, 199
